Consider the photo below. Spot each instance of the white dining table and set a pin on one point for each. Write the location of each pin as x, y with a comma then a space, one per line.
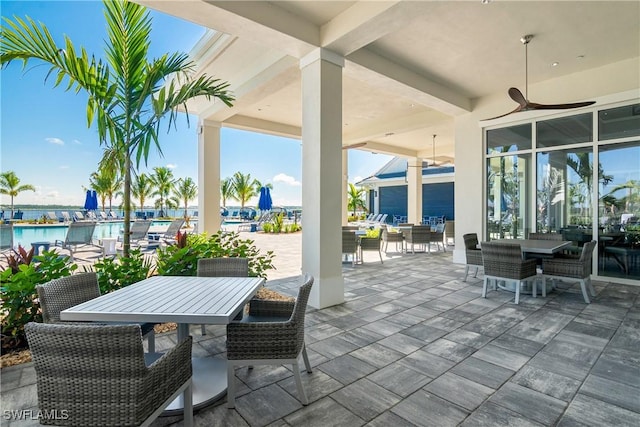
182, 300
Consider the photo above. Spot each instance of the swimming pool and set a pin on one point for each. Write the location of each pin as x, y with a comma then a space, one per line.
24, 235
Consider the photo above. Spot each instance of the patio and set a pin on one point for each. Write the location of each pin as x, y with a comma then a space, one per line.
414, 345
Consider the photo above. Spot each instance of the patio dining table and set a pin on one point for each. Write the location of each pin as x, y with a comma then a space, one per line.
183, 300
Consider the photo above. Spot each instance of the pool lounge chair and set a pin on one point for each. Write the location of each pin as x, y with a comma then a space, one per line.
169, 236
77, 216
79, 238
113, 215
52, 216
65, 216
6, 237
138, 234
103, 216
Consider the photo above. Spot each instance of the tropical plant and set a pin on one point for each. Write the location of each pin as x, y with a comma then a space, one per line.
106, 185
19, 295
258, 185
164, 182
244, 187
128, 94
355, 199
142, 188
226, 190
186, 189
10, 185
116, 273
182, 259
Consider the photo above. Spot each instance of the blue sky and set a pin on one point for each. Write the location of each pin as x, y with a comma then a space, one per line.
45, 140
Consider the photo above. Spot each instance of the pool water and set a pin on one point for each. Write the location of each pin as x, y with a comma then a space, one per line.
25, 235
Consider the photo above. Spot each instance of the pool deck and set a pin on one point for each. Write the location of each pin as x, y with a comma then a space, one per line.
414, 345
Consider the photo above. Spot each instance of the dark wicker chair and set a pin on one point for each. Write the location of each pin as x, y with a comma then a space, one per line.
418, 235
95, 375
569, 267
370, 244
223, 267
545, 236
393, 237
503, 261
66, 292
473, 253
272, 334
350, 245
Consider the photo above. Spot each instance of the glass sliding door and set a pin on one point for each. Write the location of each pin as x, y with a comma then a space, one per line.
564, 190
507, 201
619, 211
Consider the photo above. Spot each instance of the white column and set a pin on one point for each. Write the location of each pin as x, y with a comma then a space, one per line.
345, 186
414, 190
209, 176
321, 177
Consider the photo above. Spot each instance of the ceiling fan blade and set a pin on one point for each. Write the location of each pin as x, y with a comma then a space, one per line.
356, 145
534, 106
517, 96
518, 108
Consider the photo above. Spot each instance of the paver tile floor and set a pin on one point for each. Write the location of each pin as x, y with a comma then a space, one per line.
414, 345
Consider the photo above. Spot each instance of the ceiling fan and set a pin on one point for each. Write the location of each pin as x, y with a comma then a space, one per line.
523, 100
438, 160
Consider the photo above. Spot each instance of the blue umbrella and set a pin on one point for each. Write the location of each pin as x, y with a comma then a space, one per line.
88, 201
94, 200
264, 203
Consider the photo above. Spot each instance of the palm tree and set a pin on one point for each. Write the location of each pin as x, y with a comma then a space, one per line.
244, 187
186, 190
226, 190
164, 182
355, 198
10, 185
142, 188
106, 186
259, 185
128, 95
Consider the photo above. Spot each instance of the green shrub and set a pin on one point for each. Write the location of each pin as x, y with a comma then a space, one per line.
18, 288
373, 233
267, 227
122, 271
183, 261
278, 222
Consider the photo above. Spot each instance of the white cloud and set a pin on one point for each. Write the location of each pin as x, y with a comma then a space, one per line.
75, 141
56, 141
286, 179
172, 166
53, 195
64, 167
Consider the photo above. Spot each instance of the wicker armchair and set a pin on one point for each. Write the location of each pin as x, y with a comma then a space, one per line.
420, 235
545, 236
393, 237
66, 292
473, 253
569, 267
273, 333
223, 267
95, 375
370, 244
350, 245
503, 261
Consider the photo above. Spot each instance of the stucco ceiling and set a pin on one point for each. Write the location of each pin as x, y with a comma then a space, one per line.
411, 66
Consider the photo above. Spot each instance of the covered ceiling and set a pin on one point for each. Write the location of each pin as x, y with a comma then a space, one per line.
411, 66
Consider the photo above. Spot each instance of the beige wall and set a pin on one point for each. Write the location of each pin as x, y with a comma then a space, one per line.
615, 82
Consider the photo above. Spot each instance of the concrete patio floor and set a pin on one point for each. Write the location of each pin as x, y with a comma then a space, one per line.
415, 345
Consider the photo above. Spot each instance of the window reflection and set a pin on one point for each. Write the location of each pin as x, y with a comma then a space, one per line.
619, 211
507, 180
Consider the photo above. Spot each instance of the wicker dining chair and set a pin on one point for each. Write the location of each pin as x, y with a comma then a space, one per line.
272, 334
565, 267
437, 236
370, 244
350, 245
503, 261
66, 292
393, 237
418, 235
95, 375
473, 254
223, 267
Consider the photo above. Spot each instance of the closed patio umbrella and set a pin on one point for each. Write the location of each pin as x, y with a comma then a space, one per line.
88, 201
265, 203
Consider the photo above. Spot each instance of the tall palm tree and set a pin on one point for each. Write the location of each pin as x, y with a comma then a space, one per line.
355, 200
244, 187
128, 95
10, 185
106, 186
142, 188
164, 182
186, 189
226, 190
